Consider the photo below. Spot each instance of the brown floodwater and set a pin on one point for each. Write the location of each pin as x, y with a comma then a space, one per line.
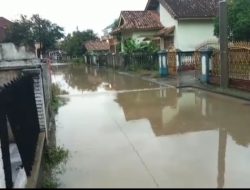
124, 132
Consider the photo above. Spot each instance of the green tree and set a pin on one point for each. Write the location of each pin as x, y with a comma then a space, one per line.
34, 30
131, 46
73, 43
114, 25
238, 20
45, 32
20, 32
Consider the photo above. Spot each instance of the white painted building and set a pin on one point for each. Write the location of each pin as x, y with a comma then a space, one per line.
187, 23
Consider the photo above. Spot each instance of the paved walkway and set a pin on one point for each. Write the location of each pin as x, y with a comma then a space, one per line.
187, 80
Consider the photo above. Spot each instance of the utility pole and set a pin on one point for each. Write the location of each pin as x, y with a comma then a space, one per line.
224, 44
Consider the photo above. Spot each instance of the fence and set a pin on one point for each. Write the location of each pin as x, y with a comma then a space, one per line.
177, 61
18, 111
126, 61
186, 61
239, 66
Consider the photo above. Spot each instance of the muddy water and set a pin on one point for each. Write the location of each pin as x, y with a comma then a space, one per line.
125, 132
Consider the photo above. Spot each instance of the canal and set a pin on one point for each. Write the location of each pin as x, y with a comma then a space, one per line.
124, 132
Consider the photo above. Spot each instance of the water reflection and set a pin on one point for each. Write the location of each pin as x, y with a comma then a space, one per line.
191, 111
222, 157
79, 79
179, 138
188, 111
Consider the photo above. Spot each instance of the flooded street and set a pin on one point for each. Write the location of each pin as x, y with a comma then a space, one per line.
123, 132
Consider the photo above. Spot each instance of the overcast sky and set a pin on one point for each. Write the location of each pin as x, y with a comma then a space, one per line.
70, 14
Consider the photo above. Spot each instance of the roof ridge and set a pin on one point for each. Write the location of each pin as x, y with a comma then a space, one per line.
190, 8
168, 7
138, 11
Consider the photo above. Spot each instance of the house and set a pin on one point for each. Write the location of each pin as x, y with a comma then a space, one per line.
187, 23
4, 25
113, 42
95, 48
138, 25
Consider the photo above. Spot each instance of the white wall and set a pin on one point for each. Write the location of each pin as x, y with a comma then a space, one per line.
188, 34
192, 33
168, 21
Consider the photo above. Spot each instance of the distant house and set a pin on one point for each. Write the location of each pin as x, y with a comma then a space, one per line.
97, 46
94, 48
138, 25
4, 25
113, 42
187, 23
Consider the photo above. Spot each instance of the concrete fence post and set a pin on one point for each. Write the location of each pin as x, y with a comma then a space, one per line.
205, 65
163, 63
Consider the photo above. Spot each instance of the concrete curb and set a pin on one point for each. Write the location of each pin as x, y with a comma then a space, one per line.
226, 92
33, 179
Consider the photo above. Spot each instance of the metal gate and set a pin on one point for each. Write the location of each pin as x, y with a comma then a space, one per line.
18, 108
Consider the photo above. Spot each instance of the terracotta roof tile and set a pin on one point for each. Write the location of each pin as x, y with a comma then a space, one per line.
182, 9
4, 23
139, 20
97, 46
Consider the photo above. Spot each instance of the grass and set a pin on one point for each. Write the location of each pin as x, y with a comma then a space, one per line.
55, 160
55, 101
78, 61
55, 157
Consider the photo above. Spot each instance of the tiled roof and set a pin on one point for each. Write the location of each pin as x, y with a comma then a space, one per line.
139, 20
4, 23
166, 31
182, 9
97, 45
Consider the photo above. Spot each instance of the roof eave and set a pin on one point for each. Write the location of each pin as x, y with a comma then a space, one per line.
168, 8
149, 3
140, 29
194, 18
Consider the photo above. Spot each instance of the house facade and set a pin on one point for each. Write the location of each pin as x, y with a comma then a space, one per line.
138, 25
95, 48
187, 23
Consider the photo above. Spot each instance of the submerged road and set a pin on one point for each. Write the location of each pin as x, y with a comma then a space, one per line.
123, 132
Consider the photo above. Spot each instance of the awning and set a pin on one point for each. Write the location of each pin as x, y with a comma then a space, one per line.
165, 31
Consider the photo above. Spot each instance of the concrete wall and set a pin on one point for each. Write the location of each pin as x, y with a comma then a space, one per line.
166, 19
14, 62
18, 60
10, 52
188, 33
7, 76
192, 33
12, 57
